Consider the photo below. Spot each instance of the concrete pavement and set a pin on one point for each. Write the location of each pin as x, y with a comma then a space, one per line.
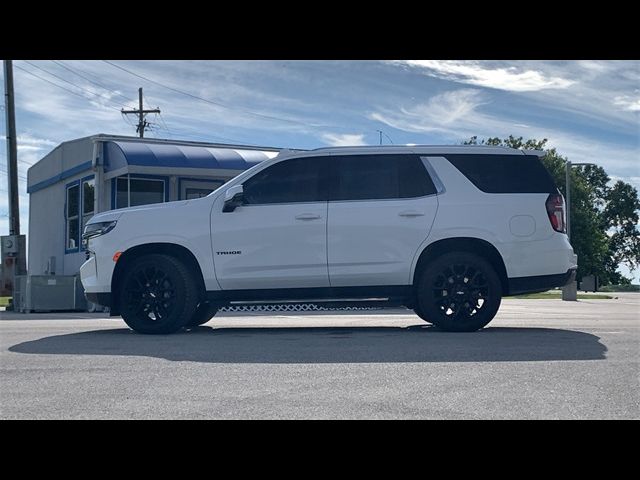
537, 359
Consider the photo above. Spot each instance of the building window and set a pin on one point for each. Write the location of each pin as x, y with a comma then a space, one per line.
88, 201
73, 217
192, 193
131, 192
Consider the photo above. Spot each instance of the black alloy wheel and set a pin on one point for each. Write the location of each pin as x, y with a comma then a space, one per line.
157, 295
460, 292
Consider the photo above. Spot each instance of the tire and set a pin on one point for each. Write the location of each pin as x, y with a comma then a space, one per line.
418, 311
459, 292
157, 294
202, 315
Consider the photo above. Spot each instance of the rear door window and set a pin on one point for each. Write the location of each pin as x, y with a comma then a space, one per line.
380, 177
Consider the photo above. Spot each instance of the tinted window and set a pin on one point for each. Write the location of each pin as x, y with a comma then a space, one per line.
73, 201
505, 173
290, 181
88, 196
369, 177
73, 218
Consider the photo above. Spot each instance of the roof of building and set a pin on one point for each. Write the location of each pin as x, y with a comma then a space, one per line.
119, 153
74, 157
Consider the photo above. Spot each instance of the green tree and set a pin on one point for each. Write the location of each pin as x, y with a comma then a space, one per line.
604, 218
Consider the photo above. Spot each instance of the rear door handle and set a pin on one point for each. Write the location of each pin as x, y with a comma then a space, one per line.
411, 213
307, 216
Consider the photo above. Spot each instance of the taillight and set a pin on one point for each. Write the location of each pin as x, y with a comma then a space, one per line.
555, 210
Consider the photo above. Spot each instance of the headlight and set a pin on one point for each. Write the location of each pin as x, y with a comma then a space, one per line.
97, 229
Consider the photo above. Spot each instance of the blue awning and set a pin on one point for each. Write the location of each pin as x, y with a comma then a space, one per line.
121, 153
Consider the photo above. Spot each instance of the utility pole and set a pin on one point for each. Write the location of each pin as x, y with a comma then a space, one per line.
382, 133
12, 248
12, 150
141, 112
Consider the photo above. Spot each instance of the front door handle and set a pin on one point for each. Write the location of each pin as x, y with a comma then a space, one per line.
411, 213
307, 216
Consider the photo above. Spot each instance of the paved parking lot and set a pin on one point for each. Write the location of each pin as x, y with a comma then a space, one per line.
537, 359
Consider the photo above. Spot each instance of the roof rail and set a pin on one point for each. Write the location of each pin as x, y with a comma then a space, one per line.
538, 153
411, 145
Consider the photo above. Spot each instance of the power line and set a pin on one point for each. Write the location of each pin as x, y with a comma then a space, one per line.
198, 136
250, 112
208, 135
165, 125
75, 72
159, 115
60, 86
75, 85
21, 177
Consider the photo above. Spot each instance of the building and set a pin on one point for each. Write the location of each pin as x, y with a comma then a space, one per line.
82, 177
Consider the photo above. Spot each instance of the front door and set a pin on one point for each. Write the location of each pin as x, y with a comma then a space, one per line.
277, 239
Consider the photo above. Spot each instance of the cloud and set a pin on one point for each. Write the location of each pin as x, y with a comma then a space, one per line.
457, 115
594, 66
441, 112
627, 102
512, 79
344, 140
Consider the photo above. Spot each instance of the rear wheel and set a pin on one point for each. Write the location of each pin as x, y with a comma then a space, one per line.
157, 294
459, 292
202, 315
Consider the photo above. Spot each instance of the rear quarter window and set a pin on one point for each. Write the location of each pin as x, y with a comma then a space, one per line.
505, 173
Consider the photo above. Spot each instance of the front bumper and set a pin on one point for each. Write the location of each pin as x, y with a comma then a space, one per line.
101, 298
97, 288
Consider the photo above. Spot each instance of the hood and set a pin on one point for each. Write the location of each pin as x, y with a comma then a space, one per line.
152, 208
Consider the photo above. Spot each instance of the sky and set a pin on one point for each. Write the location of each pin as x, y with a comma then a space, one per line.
589, 110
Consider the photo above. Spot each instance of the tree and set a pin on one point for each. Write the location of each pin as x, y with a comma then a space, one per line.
604, 218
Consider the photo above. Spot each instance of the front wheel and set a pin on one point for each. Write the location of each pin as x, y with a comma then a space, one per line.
418, 311
202, 315
157, 294
459, 292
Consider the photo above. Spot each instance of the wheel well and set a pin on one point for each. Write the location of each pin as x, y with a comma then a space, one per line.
464, 244
178, 251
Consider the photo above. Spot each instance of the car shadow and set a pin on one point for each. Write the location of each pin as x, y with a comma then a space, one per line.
329, 345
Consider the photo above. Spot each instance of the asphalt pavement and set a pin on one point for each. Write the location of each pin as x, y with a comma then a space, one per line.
537, 359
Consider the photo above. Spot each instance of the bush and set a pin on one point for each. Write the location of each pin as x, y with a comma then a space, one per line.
620, 288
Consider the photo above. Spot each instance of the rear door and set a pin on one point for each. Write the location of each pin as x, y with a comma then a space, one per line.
381, 208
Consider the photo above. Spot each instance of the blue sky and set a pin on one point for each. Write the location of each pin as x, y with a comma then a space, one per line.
589, 110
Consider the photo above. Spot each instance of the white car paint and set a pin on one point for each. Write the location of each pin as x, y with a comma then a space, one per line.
351, 243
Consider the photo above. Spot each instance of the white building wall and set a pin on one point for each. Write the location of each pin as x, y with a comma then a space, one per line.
47, 230
47, 225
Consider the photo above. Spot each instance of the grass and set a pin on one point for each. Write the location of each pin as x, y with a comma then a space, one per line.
4, 301
620, 288
558, 295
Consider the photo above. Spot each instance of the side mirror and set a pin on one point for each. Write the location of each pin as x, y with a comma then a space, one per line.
233, 198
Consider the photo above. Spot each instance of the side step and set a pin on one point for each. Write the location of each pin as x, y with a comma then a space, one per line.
315, 305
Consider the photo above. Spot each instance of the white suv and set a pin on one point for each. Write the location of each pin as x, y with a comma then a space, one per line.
447, 231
